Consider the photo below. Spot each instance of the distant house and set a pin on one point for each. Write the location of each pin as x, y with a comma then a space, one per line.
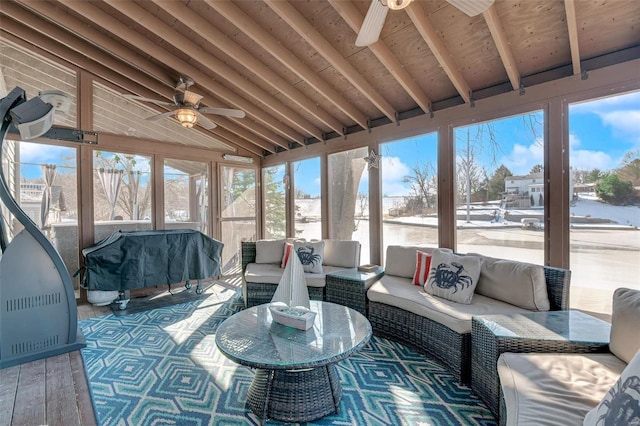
526, 191
31, 201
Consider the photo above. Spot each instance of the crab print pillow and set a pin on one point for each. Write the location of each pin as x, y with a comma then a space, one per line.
453, 277
311, 255
621, 405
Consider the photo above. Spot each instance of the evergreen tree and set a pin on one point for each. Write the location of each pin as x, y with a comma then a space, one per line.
274, 204
538, 168
496, 182
615, 191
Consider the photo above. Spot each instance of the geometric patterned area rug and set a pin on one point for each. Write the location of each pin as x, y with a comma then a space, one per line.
162, 367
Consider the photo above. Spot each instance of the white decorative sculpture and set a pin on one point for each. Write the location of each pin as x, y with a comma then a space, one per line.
290, 303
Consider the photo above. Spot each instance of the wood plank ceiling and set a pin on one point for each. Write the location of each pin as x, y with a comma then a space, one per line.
293, 66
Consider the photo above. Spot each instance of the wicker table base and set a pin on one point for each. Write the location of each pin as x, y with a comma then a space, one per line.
295, 395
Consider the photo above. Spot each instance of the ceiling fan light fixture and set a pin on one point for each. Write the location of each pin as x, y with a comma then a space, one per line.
397, 4
187, 117
471, 7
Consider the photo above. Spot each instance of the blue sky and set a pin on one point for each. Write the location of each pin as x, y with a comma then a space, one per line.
601, 132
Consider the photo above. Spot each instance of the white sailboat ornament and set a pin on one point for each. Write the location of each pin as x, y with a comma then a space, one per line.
290, 303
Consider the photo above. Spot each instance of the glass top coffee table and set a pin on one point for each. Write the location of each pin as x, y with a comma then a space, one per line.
296, 378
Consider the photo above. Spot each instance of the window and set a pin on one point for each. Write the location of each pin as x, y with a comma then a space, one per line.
237, 212
491, 217
275, 218
43, 180
307, 202
409, 191
121, 193
604, 210
349, 198
186, 195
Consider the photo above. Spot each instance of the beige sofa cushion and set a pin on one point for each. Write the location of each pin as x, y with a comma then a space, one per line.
554, 389
269, 251
521, 284
625, 320
401, 260
401, 293
270, 274
344, 253
613, 406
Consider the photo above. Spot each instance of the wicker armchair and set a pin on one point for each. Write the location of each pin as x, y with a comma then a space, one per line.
435, 339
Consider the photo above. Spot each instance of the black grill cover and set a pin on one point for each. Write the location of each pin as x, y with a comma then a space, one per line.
129, 260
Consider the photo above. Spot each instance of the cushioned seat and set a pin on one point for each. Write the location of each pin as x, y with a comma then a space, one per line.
269, 273
539, 388
262, 259
401, 293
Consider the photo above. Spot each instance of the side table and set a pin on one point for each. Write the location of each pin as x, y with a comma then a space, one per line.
553, 331
348, 287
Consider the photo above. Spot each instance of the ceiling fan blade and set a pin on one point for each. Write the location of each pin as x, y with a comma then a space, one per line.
472, 7
159, 116
205, 122
140, 98
224, 111
372, 25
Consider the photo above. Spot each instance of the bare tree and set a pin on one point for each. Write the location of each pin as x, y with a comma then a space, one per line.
423, 182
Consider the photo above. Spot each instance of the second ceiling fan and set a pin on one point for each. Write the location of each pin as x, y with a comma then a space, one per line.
186, 107
377, 13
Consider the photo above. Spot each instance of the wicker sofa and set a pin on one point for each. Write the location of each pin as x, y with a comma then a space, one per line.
594, 388
404, 312
261, 269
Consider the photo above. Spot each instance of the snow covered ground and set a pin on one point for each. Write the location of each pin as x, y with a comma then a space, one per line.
587, 206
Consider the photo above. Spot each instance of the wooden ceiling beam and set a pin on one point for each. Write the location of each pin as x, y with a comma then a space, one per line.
99, 39
90, 51
502, 44
296, 21
572, 27
265, 40
207, 31
215, 65
354, 19
93, 14
439, 50
81, 60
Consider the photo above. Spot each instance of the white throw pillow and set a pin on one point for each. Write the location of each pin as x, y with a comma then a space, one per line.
620, 405
311, 255
453, 277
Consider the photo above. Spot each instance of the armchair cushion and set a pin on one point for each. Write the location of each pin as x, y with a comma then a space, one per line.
625, 318
622, 400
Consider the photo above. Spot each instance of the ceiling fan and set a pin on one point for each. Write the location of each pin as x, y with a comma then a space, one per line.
186, 107
377, 13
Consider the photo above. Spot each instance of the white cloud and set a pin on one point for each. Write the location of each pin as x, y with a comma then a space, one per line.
40, 153
582, 159
523, 158
393, 170
621, 113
